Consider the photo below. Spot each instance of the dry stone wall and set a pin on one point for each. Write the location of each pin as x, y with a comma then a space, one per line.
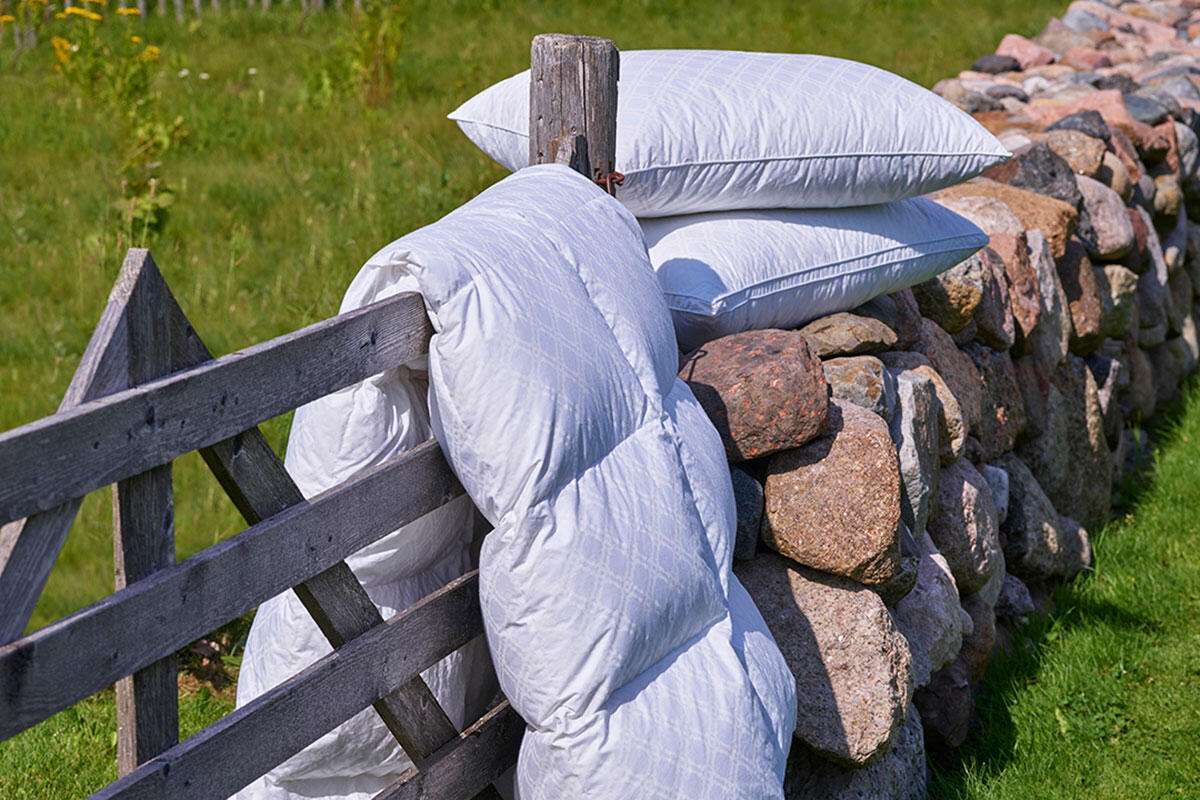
913, 476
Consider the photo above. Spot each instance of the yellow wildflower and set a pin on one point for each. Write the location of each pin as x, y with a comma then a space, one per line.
150, 53
96, 2
62, 49
83, 12
128, 12
7, 18
60, 15
135, 39
39, 2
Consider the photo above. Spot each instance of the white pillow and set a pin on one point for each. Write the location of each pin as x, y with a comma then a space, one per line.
712, 130
734, 271
619, 634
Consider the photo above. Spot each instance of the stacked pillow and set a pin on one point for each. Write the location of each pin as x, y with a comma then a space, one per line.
719, 131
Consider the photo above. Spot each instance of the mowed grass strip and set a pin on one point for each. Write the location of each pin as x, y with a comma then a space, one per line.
1101, 699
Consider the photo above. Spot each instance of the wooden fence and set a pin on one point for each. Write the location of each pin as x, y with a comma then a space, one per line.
148, 390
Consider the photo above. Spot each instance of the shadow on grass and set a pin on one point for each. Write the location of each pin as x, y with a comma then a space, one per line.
991, 743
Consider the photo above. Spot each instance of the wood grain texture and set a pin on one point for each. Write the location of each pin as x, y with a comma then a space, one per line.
32, 545
144, 540
55, 459
260, 486
77, 656
239, 748
573, 92
465, 766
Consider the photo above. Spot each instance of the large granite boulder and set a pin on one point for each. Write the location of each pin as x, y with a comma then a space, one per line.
950, 298
1033, 547
763, 390
1117, 286
834, 503
1004, 407
965, 527
898, 775
930, 616
1071, 459
994, 323
952, 428
1084, 302
1024, 287
899, 312
1055, 218
1051, 340
852, 666
1110, 223
846, 334
955, 368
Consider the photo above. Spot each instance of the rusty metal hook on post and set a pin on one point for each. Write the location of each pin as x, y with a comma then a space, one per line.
608, 180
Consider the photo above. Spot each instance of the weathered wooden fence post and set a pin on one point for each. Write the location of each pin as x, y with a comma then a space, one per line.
573, 103
144, 538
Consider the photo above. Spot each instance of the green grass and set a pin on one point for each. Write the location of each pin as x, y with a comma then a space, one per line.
74, 753
1100, 700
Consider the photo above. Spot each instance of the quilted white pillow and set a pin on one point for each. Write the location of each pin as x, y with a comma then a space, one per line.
711, 130
617, 629
732, 271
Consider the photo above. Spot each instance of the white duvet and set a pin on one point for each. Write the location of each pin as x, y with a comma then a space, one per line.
639, 663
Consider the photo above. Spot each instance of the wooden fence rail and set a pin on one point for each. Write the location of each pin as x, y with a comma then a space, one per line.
148, 390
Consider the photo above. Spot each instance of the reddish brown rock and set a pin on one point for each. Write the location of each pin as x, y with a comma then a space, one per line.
1027, 54
852, 666
1004, 408
1024, 288
955, 368
834, 503
1086, 58
847, 334
763, 390
1138, 257
1083, 299
994, 322
1053, 217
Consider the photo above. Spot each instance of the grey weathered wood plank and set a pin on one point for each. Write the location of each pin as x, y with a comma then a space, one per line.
77, 656
52, 460
32, 545
245, 744
465, 766
144, 541
573, 92
260, 486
